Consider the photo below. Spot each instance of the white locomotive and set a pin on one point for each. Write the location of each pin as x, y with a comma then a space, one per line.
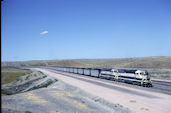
130, 76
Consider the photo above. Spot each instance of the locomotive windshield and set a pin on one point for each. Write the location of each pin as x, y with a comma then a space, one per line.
142, 73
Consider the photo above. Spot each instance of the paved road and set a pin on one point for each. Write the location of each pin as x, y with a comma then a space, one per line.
134, 98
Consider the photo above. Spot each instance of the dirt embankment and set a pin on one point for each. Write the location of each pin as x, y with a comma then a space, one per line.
34, 80
37, 93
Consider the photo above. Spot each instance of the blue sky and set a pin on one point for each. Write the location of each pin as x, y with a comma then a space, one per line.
74, 29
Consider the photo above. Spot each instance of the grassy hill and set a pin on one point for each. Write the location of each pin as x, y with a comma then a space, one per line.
163, 62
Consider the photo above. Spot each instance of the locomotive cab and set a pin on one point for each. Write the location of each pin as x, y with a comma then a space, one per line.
144, 76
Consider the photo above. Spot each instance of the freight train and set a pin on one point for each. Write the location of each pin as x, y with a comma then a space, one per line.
138, 77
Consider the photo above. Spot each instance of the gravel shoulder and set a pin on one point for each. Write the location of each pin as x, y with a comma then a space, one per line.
37, 93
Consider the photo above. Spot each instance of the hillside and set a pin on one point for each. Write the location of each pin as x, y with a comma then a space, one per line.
144, 62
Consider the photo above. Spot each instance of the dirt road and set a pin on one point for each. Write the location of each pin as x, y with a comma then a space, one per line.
136, 100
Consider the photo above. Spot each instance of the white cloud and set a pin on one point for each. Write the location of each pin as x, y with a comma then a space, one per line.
44, 32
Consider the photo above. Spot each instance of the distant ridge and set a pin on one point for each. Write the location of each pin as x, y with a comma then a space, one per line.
160, 62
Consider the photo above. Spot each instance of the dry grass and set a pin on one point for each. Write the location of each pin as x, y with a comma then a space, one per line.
10, 74
145, 62
35, 98
132, 101
146, 109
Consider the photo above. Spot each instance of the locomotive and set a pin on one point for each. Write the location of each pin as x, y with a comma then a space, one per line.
138, 77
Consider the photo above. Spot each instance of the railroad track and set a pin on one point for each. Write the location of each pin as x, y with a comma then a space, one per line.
158, 86
162, 86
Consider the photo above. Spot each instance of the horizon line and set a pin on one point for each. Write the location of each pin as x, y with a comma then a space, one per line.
85, 58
